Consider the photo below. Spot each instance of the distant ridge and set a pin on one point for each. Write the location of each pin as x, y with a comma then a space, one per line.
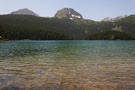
17, 27
24, 11
65, 13
68, 13
108, 19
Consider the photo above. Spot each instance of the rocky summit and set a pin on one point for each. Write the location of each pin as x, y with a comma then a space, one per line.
108, 19
24, 11
68, 13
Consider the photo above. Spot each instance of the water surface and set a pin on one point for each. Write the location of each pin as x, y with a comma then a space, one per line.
67, 65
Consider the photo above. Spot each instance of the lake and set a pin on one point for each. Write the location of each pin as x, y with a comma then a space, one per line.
67, 65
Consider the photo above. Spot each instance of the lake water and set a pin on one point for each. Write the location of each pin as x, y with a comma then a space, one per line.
67, 65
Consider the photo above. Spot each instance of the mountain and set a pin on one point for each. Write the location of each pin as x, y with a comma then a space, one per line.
70, 26
108, 19
30, 27
24, 11
68, 13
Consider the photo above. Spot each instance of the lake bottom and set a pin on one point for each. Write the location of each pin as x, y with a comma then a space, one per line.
67, 65
69, 74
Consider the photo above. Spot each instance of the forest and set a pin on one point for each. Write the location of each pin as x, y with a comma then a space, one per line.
20, 32
20, 27
109, 35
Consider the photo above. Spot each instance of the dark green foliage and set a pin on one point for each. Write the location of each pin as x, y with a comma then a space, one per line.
20, 32
31, 27
1, 32
127, 24
26, 27
77, 29
109, 35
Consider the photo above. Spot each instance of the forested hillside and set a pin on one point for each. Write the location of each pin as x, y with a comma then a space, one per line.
123, 29
18, 27
127, 24
77, 29
109, 35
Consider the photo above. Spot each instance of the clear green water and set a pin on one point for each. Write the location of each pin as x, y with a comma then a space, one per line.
67, 65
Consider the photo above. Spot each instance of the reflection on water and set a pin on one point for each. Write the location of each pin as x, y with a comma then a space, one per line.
67, 65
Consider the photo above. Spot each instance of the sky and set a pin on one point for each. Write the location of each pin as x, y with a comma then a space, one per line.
89, 9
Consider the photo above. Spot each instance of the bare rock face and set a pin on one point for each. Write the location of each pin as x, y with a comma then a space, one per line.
68, 13
24, 11
108, 19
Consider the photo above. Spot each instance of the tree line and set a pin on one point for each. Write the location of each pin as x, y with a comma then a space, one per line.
18, 27
20, 32
109, 35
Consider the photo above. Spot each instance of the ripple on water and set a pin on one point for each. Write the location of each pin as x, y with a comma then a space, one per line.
68, 66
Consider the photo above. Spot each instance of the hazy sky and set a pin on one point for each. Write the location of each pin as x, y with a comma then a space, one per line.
90, 9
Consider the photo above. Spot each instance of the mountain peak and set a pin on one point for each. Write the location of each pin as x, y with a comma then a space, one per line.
68, 13
108, 19
24, 11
